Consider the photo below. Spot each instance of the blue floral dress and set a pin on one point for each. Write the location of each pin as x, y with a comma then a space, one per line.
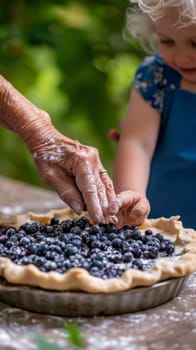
172, 183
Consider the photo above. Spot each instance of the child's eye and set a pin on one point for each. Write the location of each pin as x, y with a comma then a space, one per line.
167, 42
193, 43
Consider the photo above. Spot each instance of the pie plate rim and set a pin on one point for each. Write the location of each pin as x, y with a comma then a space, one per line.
84, 304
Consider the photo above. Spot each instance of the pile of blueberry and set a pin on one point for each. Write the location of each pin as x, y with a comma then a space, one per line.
104, 250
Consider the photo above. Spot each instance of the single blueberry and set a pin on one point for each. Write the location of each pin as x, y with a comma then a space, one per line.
10, 231
117, 243
127, 257
50, 266
3, 239
153, 252
137, 264
66, 225
54, 221
159, 236
111, 228
170, 248
148, 232
83, 222
71, 249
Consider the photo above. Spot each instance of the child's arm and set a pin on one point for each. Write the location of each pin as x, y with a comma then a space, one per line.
136, 146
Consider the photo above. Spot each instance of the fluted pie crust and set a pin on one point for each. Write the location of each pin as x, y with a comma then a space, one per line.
78, 279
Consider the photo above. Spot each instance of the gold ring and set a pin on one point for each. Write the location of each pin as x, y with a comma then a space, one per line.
103, 172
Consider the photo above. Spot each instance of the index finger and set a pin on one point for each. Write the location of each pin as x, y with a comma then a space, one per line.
86, 183
110, 193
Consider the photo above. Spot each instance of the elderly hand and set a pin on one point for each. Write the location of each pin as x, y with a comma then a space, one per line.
73, 170
76, 173
133, 208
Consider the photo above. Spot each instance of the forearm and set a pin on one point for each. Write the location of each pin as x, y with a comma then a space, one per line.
17, 113
14, 108
131, 168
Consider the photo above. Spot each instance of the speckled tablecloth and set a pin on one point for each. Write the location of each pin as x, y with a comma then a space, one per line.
170, 326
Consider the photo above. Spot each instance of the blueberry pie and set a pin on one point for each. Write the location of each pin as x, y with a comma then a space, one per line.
64, 252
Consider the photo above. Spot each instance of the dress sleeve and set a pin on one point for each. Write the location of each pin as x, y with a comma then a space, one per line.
150, 81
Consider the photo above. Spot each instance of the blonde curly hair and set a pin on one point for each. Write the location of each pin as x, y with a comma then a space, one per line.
141, 18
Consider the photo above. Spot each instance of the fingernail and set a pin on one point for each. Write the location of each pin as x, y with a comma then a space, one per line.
113, 219
113, 209
76, 207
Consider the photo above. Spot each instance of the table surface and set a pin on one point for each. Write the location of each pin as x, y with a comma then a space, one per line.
172, 325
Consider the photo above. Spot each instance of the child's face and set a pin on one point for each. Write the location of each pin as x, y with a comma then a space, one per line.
178, 46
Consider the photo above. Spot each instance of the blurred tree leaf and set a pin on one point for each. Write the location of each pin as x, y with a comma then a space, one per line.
74, 335
44, 344
72, 331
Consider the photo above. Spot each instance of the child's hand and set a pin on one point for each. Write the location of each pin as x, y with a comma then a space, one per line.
114, 134
133, 208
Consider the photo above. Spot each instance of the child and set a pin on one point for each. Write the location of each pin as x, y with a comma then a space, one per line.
156, 153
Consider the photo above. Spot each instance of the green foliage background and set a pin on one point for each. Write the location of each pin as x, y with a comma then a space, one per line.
69, 58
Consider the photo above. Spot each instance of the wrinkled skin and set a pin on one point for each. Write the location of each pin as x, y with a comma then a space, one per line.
73, 170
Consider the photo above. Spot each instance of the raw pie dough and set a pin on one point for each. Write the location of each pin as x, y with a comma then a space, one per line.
80, 280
